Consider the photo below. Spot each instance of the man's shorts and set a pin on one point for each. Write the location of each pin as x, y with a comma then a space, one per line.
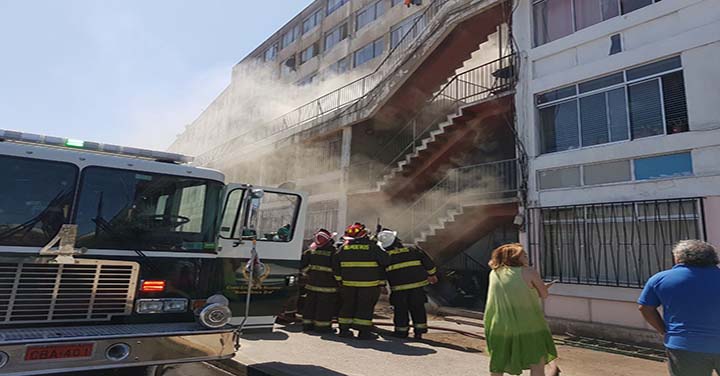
689, 363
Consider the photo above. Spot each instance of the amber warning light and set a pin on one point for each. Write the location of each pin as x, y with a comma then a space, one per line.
152, 286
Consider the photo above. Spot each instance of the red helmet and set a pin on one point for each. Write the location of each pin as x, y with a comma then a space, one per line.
355, 231
322, 238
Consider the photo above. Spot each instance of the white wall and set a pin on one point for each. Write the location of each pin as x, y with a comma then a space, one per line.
690, 28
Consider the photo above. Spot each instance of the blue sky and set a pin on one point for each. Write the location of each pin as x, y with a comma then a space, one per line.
130, 72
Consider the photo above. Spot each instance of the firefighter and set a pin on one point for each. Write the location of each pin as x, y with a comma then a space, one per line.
412, 2
320, 304
408, 272
359, 268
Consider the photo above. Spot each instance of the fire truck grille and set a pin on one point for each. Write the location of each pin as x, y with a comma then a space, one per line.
89, 290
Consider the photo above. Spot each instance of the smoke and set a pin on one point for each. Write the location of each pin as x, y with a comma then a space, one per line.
254, 97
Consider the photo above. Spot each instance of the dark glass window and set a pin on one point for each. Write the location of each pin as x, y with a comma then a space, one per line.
631, 5
335, 36
615, 44
676, 116
121, 209
601, 82
333, 5
654, 68
594, 120
557, 94
35, 200
559, 127
646, 117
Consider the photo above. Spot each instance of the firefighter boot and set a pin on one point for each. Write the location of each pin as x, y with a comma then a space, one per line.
308, 328
345, 333
418, 335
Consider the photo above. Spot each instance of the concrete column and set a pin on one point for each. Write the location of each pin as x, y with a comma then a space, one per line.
344, 168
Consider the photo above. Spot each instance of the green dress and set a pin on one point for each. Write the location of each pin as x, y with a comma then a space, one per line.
517, 333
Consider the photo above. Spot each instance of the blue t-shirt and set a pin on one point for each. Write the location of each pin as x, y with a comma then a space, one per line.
690, 297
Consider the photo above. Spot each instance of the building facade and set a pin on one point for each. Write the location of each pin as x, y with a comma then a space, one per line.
617, 105
587, 130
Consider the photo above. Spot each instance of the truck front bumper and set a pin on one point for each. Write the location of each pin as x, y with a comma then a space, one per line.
149, 344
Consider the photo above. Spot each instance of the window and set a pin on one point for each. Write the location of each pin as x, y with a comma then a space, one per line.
664, 166
640, 102
341, 66
323, 214
335, 36
369, 14
288, 66
35, 200
369, 52
271, 52
277, 217
412, 26
333, 5
559, 178
122, 209
615, 44
608, 172
274, 221
309, 53
395, 2
645, 168
290, 37
312, 21
554, 19
307, 80
612, 244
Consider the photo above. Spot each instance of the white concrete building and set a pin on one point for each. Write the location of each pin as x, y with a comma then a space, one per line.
618, 103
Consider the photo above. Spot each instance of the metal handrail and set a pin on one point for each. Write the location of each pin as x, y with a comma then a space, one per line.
460, 185
346, 95
470, 84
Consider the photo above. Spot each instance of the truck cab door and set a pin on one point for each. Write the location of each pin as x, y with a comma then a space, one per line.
276, 222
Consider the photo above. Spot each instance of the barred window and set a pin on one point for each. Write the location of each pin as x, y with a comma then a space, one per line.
612, 244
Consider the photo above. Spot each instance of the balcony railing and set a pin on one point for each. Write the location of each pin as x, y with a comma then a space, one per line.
461, 186
347, 98
472, 86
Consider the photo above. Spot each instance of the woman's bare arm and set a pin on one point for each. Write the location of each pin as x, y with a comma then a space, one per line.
537, 282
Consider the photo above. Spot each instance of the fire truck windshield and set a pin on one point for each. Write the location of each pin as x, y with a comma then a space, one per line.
122, 209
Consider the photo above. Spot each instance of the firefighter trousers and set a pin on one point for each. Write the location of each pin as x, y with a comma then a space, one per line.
409, 303
357, 307
319, 309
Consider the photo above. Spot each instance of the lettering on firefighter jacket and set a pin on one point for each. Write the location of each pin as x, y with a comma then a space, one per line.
317, 265
360, 263
409, 267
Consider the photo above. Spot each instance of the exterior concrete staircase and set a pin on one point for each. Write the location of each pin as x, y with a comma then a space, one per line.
474, 98
460, 209
424, 54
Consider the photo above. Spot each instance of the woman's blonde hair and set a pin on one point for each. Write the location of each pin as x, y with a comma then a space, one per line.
507, 255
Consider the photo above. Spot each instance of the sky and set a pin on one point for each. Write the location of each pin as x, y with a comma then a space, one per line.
129, 72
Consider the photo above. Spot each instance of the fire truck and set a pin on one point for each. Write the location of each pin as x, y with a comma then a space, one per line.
116, 257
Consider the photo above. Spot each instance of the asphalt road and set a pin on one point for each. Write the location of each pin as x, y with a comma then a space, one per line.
189, 369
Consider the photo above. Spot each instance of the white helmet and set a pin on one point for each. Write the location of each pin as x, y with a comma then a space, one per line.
386, 238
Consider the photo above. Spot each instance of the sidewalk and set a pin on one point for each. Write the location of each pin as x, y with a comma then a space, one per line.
293, 353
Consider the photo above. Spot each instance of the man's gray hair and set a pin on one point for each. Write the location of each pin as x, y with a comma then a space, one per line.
695, 253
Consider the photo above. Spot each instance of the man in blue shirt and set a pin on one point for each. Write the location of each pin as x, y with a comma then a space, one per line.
690, 296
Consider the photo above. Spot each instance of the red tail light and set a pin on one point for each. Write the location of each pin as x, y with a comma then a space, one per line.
152, 286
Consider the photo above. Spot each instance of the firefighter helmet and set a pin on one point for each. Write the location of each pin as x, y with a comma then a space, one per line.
355, 231
322, 238
386, 238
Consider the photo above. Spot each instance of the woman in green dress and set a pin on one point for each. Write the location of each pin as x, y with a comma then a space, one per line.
518, 337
